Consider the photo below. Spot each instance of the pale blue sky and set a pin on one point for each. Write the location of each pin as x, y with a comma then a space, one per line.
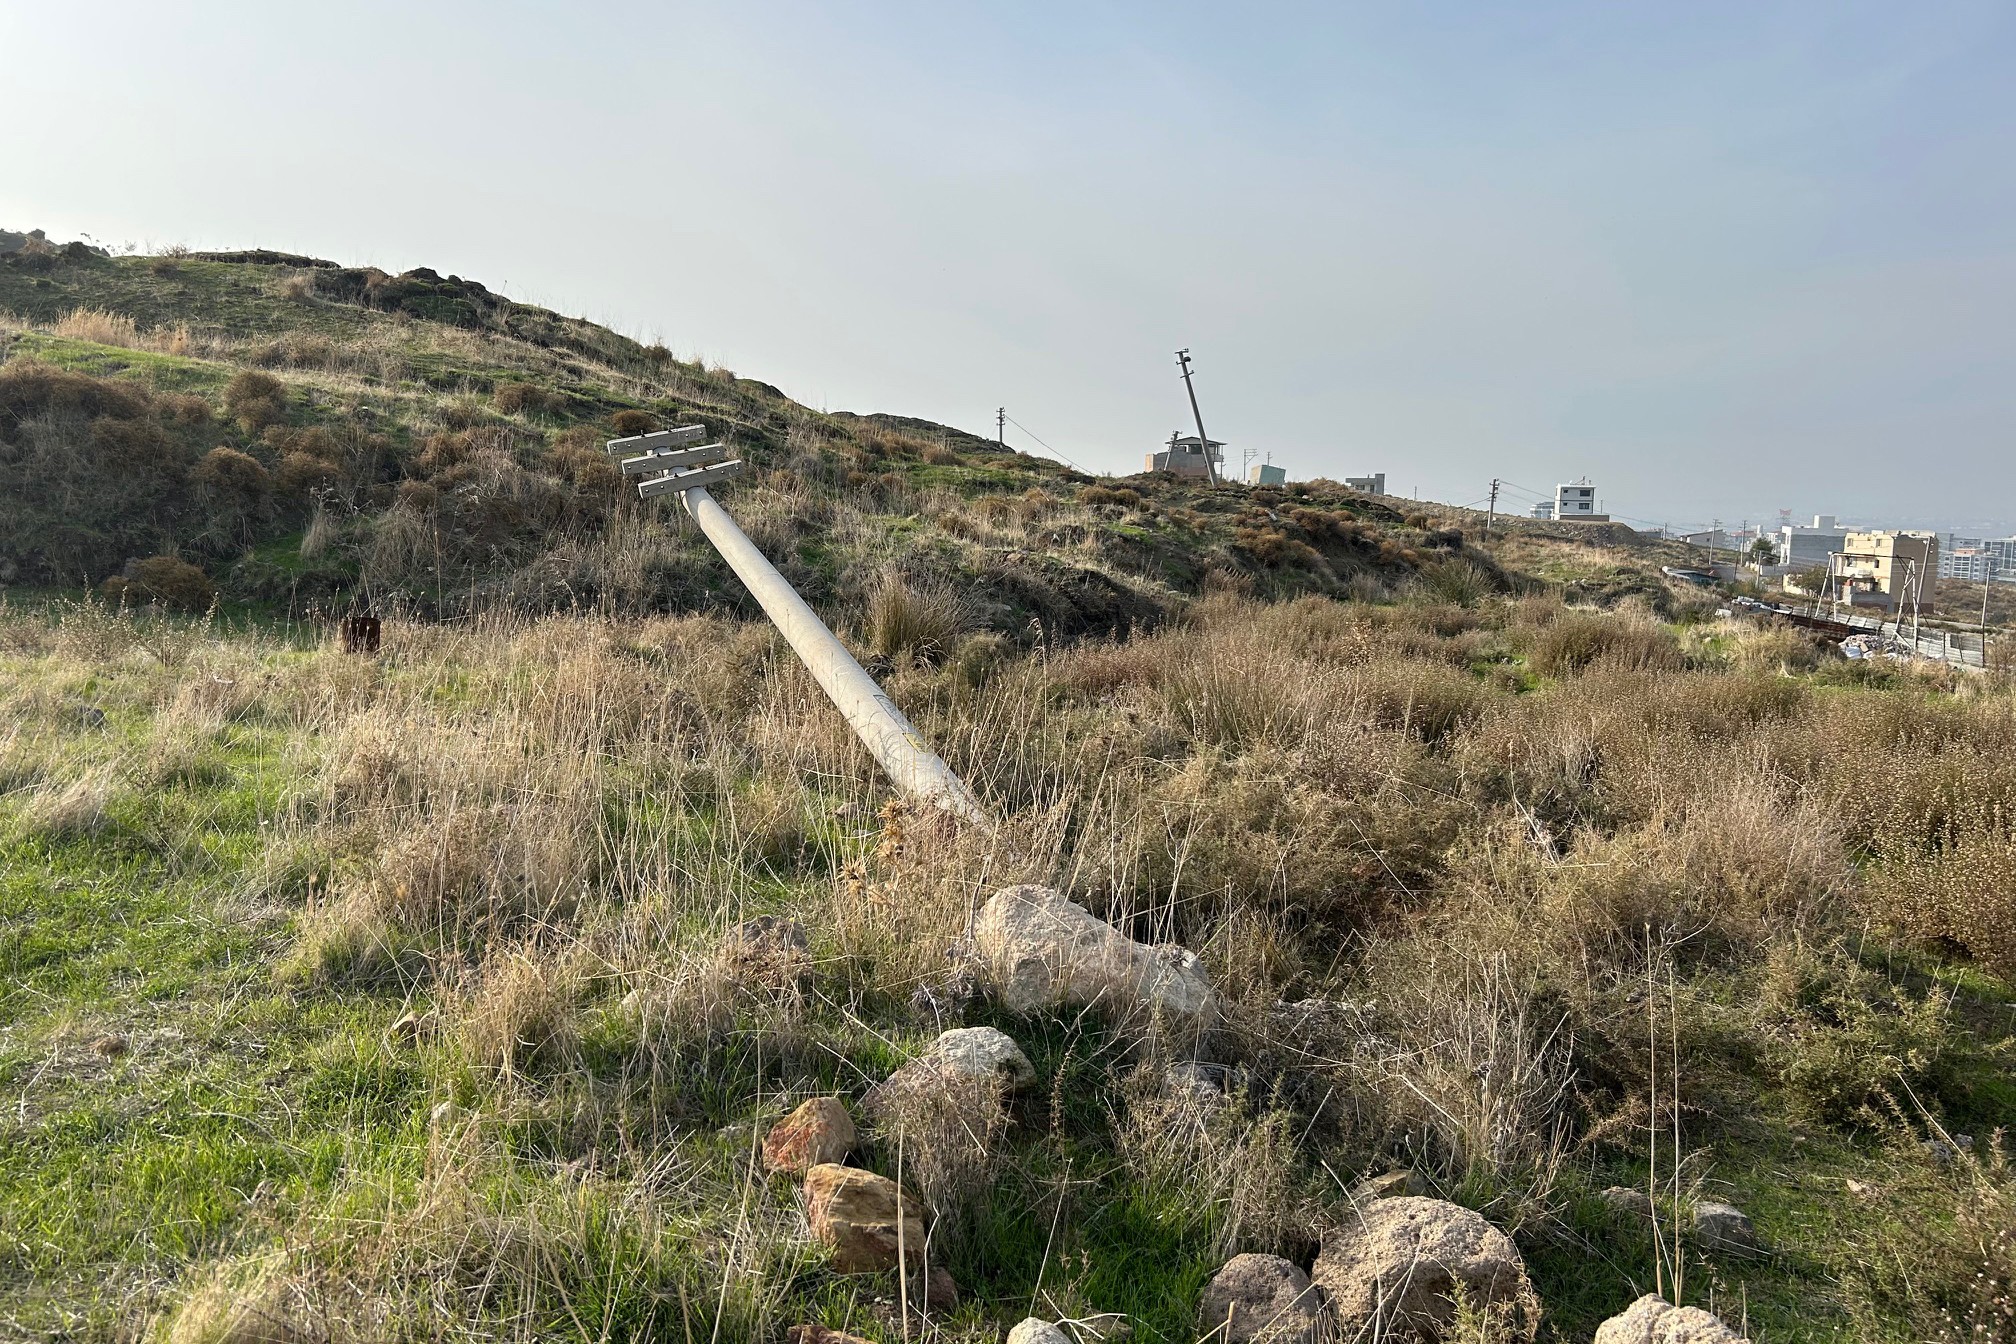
1723, 258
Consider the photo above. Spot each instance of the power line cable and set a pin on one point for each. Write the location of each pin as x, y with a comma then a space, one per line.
1034, 435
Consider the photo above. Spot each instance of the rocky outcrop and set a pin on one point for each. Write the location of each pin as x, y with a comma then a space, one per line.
1261, 1299
865, 1220
1653, 1320
819, 1132
1039, 950
1393, 1267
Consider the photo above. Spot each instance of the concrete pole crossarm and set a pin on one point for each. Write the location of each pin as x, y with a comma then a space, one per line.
900, 749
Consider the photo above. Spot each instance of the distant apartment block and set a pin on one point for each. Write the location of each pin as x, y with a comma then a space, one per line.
1576, 502
1978, 559
1892, 571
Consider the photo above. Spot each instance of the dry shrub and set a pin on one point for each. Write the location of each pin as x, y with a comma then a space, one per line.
257, 401
486, 868
946, 1133
165, 579
628, 424
320, 534
1093, 496
73, 808
253, 1301
522, 1016
1935, 1243
1470, 1055
1578, 640
913, 618
1207, 1159
1215, 695
938, 455
1425, 699
1721, 878
1960, 890
1459, 581
525, 399
99, 327
237, 477
1775, 648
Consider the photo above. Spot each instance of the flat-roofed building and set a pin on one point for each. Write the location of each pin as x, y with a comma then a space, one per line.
1576, 502
1893, 571
1185, 456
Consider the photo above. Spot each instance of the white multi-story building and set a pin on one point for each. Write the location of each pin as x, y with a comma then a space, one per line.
1803, 547
1577, 501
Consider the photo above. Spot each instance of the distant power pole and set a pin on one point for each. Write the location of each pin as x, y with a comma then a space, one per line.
1203, 443
1491, 510
1001, 429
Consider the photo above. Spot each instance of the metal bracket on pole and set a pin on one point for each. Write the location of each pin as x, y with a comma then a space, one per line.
889, 736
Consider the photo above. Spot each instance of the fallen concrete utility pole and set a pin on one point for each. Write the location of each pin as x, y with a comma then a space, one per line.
673, 465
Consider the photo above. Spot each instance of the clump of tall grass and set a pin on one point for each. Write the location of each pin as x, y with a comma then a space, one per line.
907, 617
1576, 641
98, 326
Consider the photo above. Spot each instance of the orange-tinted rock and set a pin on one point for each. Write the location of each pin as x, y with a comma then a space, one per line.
819, 1131
855, 1214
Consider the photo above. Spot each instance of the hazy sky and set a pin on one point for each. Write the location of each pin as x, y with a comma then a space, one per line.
1723, 258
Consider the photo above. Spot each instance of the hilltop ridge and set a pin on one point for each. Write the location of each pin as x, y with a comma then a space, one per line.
319, 435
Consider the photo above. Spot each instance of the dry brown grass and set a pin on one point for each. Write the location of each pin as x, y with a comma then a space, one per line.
98, 326
547, 829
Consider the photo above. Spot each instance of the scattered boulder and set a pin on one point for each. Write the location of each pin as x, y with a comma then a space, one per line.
981, 1052
819, 1131
855, 1214
1724, 1227
1653, 1320
1040, 950
1630, 1203
1034, 1331
1393, 1267
1261, 1299
941, 1290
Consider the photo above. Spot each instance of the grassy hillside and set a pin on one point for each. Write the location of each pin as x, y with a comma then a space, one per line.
318, 437
413, 996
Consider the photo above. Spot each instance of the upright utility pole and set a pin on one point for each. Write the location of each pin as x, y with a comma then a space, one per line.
1203, 441
1001, 429
1491, 510
1987, 573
